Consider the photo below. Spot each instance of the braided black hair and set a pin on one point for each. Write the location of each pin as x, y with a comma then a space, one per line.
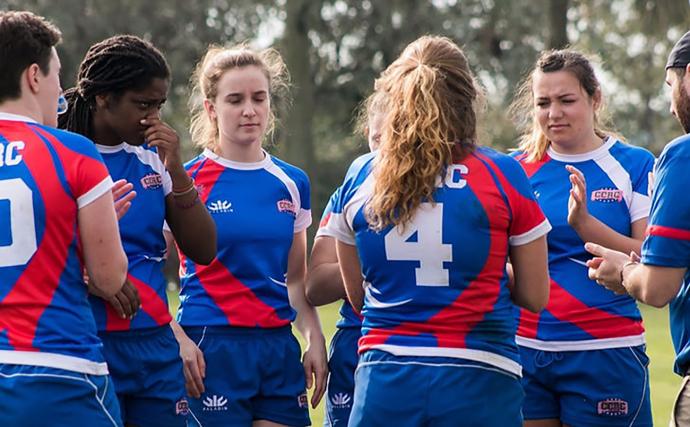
111, 66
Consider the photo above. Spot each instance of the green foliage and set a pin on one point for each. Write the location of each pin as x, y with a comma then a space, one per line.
336, 48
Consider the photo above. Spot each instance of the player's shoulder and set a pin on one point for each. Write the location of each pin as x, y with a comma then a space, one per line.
507, 163
360, 167
631, 152
494, 154
73, 141
195, 162
678, 148
294, 172
144, 154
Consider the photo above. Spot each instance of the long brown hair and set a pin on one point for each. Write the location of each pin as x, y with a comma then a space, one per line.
430, 96
533, 142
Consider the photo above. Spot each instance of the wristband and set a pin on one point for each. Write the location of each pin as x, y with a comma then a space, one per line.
184, 191
187, 205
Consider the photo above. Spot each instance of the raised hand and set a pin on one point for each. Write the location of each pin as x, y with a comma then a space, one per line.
160, 135
577, 201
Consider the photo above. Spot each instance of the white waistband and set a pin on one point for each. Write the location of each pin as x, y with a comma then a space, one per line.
598, 344
487, 357
53, 360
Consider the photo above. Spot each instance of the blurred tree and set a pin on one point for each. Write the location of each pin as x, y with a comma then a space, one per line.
298, 145
335, 49
632, 39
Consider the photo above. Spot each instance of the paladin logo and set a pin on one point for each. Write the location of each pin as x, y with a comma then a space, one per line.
215, 403
220, 206
612, 407
152, 181
341, 400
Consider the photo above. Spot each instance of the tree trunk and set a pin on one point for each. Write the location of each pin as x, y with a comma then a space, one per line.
558, 23
298, 145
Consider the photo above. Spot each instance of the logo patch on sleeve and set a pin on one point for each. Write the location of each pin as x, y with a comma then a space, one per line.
152, 181
607, 195
287, 206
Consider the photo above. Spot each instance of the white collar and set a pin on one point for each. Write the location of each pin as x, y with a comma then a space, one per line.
16, 117
261, 164
582, 157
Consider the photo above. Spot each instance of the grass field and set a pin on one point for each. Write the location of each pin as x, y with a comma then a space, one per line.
664, 383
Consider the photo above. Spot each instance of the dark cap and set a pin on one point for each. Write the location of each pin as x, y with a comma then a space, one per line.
680, 54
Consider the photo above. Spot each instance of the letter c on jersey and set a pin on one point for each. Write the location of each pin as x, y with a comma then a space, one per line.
454, 176
10, 155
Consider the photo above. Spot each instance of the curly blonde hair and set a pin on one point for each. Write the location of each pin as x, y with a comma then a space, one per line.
208, 72
430, 105
533, 142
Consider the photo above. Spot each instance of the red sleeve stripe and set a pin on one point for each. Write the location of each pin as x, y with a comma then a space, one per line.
668, 232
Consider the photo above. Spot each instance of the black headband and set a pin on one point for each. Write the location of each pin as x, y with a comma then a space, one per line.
680, 54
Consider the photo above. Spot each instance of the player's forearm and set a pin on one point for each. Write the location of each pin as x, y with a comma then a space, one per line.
351, 272
307, 320
193, 227
177, 330
324, 284
593, 230
655, 286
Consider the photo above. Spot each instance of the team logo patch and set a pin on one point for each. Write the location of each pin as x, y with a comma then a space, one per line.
152, 181
182, 407
302, 400
607, 195
287, 206
215, 403
613, 407
341, 400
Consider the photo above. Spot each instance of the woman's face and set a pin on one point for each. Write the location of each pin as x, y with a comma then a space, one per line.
242, 106
374, 125
564, 111
122, 114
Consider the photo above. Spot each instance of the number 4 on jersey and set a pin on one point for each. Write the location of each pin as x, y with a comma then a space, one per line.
422, 241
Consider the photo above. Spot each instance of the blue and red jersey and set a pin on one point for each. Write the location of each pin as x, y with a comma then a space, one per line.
438, 287
348, 317
580, 314
46, 176
141, 231
257, 208
668, 237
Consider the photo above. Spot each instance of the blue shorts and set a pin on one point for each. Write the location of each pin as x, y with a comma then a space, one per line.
148, 376
594, 387
251, 374
412, 391
342, 362
35, 396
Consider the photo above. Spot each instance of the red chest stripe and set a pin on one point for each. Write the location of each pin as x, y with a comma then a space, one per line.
22, 308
